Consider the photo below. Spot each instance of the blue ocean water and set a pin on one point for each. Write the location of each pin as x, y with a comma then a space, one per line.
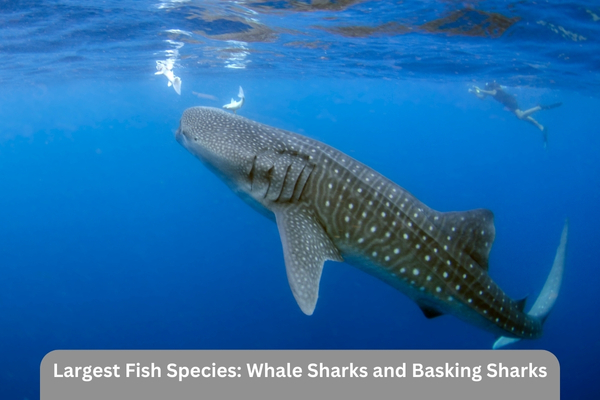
112, 236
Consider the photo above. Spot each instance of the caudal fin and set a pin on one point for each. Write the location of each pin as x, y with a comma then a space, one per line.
545, 301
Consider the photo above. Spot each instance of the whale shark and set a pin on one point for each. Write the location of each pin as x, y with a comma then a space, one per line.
329, 206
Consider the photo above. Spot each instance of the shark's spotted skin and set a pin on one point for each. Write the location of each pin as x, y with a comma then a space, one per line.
329, 206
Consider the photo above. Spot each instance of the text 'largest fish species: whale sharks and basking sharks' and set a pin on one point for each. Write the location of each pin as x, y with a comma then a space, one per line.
329, 206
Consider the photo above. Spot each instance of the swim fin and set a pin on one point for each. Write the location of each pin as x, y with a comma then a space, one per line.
551, 106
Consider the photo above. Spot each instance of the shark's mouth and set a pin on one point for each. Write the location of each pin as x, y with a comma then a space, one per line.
180, 136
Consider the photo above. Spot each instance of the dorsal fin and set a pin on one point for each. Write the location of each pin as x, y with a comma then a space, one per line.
474, 231
429, 312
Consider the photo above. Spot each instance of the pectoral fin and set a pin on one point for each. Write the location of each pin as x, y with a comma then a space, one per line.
429, 312
306, 247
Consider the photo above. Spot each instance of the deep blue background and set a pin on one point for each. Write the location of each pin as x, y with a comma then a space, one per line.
112, 236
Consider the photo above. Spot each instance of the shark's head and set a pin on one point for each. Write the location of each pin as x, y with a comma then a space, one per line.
226, 143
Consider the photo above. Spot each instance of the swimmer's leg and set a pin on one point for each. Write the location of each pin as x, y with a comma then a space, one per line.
525, 114
534, 122
541, 128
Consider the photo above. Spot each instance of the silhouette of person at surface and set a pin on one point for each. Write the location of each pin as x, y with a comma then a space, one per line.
510, 102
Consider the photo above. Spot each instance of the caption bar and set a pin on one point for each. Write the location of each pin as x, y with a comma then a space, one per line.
296, 374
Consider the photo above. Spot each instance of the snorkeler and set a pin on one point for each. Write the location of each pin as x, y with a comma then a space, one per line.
165, 67
236, 105
510, 102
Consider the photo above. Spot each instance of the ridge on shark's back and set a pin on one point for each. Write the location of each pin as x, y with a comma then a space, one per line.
329, 206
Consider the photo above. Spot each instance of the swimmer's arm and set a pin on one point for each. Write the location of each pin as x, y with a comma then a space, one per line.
478, 92
488, 92
482, 93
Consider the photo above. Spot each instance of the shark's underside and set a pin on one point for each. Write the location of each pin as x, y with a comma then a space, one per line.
329, 206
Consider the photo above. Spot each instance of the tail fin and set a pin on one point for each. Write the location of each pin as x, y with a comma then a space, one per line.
551, 106
241, 93
545, 301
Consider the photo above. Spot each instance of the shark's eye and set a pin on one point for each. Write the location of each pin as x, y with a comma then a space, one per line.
195, 138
